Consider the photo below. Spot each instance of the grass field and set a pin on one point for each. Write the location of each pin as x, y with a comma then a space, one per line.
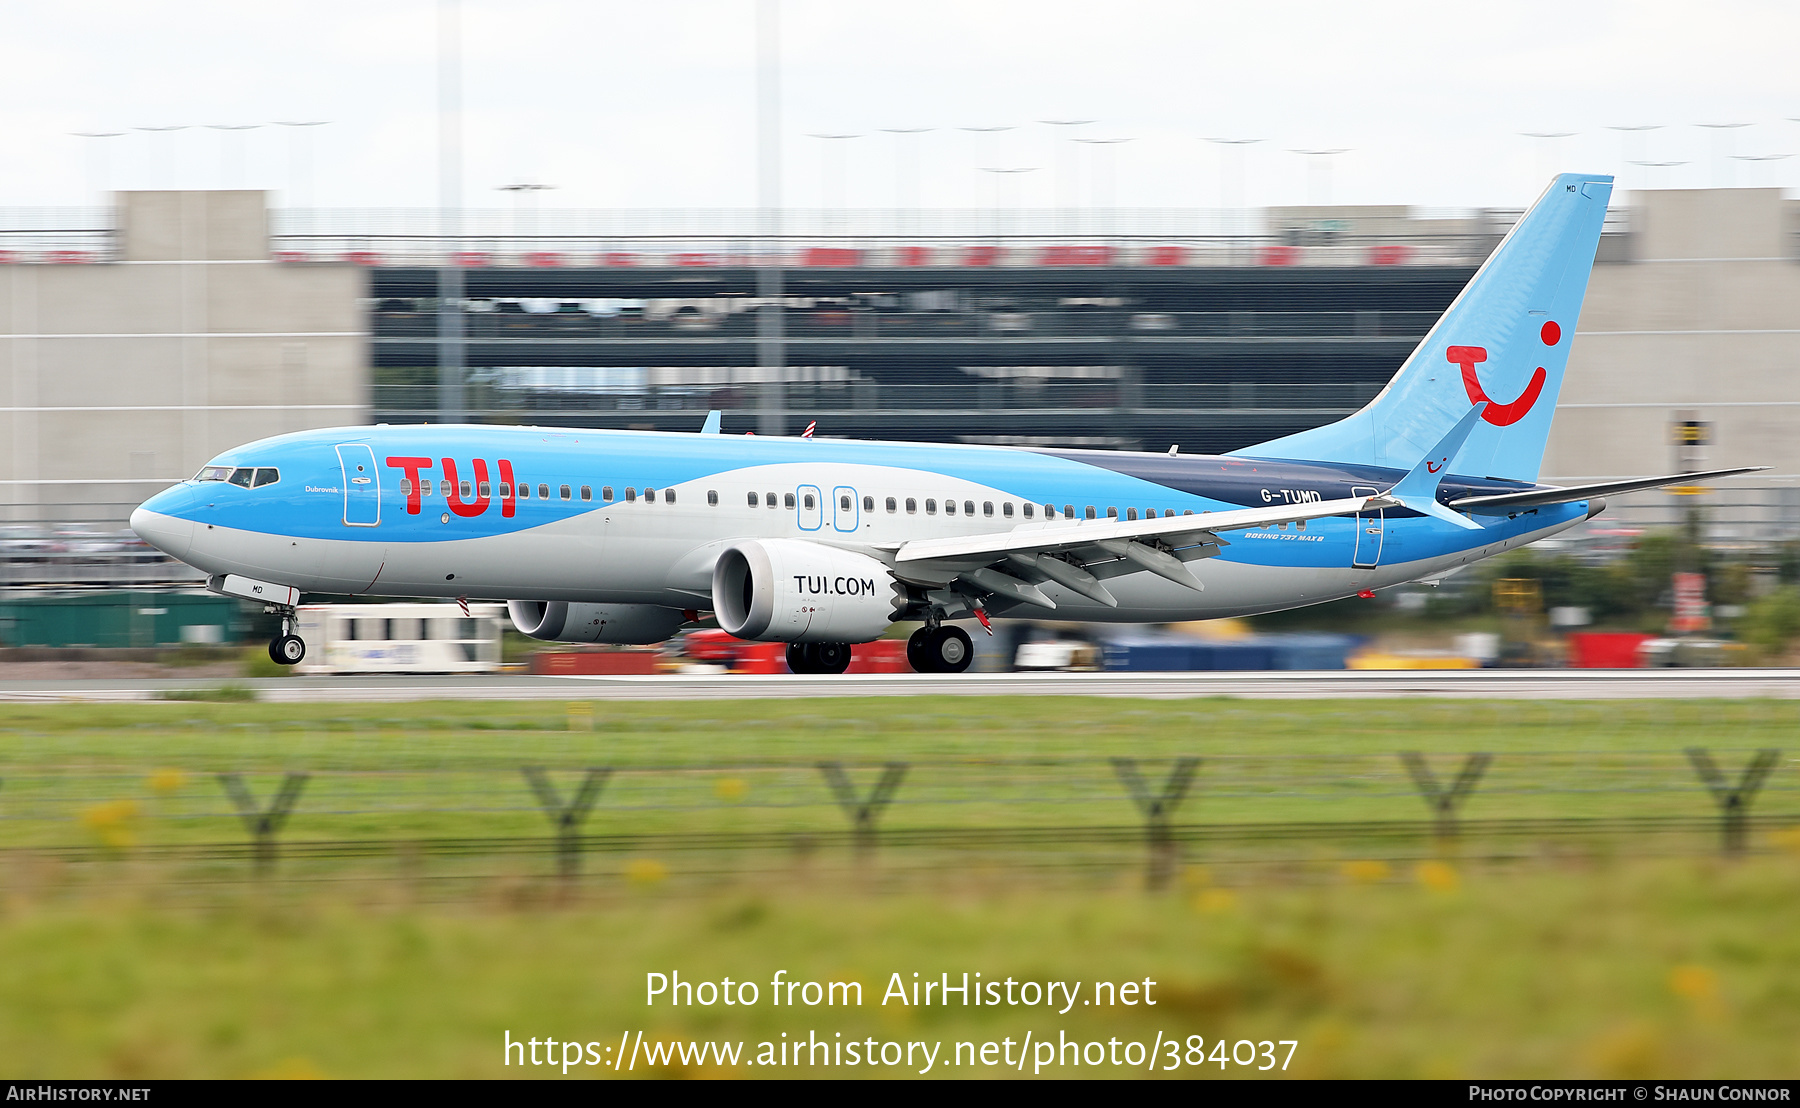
1536, 954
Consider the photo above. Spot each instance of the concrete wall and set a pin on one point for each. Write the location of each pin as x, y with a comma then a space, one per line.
120, 377
1703, 324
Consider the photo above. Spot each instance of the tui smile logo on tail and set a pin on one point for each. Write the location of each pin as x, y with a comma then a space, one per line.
1498, 414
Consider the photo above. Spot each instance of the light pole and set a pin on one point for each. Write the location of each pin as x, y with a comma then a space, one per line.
1232, 154
300, 159
906, 172
1318, 174
1002, 175
1724, 140
164, 172
1062, 153
831, 143
99, 155
983, 156
1095, 176
231, 170
522, 194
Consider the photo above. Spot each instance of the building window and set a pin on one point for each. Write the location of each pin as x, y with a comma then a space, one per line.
892, 505
712, 498
912, 506
565, 491
587, 492
930, 506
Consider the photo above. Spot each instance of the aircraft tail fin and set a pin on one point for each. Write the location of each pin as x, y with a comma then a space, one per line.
1503, 342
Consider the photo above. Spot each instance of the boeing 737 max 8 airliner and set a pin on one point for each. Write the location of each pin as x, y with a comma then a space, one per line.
623, 536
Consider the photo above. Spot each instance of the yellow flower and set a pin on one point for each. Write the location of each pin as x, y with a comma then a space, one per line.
730, 788
646, 871
166, 780
1437, 876
1366, 871
110, 821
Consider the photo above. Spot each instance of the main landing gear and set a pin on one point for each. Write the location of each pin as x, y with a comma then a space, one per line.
818, 657
940, 649
287, 648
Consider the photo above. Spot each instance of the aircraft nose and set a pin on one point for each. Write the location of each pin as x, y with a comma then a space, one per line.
169, 534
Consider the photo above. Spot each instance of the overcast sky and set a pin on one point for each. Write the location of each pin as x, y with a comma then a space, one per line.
653, 104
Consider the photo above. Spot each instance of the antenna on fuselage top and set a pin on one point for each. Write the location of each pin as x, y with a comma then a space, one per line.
711, 426
1174, 449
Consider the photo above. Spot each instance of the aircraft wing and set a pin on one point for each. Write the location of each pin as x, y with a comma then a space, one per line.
1079, 554
1531, 497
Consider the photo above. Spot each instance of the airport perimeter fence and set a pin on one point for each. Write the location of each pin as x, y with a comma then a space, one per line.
576, 818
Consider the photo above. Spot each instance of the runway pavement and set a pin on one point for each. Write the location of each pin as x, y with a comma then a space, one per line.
1352, 684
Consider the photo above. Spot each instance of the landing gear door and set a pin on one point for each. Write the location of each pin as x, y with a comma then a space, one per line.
1369, 526
362, 485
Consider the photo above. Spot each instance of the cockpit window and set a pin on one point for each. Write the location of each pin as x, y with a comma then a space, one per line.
213, 473
266, 476
242, 477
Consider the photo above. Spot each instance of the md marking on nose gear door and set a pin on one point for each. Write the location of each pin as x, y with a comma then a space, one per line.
362, 487
1369, 527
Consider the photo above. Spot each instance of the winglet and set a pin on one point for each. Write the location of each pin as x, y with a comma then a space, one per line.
1418, 489
711, 426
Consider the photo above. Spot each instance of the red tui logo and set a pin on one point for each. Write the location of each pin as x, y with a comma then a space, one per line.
1498, 414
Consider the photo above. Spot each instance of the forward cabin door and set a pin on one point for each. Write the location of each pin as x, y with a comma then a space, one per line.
1369, 527
362, 485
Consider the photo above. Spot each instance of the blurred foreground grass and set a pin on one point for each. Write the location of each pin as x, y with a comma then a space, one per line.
1642, 968
1569, 959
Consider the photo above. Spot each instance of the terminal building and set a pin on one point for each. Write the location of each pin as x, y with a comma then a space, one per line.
134, 349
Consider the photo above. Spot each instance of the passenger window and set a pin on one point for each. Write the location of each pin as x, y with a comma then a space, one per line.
892, 505
1090, 511
930, 506
987, 508
1006, 509
843, 502
543, 492
587, 492
1028, 509
809, 501
242, 477
564, 491
482, 492
405, 487
770, 500
969, 508
712, 497
1188, 512
630, 495
753, 500
1069, 512
949, 507
505, 491
1112, 513
606, 493
649, 495
912, 506
1130, 513
267, 477
668, 496
788, 499
444, 489
464, 490
1300, 525
869, 504
524, 492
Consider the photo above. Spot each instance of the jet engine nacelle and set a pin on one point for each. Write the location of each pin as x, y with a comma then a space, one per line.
784, 590
555, 621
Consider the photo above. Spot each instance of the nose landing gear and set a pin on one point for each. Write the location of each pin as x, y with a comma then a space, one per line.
287, 648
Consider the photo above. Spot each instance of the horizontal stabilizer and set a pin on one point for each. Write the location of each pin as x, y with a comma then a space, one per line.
1532, 497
